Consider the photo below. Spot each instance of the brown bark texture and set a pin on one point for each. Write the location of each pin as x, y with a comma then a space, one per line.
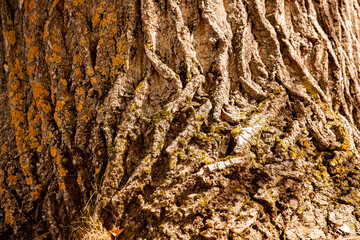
180, 119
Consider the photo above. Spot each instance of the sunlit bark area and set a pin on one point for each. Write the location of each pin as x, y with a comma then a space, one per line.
179, 119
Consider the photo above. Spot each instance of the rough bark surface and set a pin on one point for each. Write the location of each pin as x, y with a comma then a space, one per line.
179, 119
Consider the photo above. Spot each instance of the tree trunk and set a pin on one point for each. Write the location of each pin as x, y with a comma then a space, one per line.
179, 119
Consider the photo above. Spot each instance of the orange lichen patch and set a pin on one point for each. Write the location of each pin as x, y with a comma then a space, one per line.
31, 4
2, 190
40, 149
17, 99
61, 186
53, 151
14, 86
16, 69
56, 36
10, 36
3, 149
107, 170
8, 217
39, 91
51, 135
56, 118
24, 165
80, 105
101, 41
36, 118
33, 51
67, 116
45, 105
117, 61
31, 18
85, 118
2, 175
55, 58
59, 159
52, 94
78, 2
103, 22
45, 33
32, 132
64, 82
30, 69
81, 91
306, 143
77, 71
95, 19
28, 40
20, 142
59, 105
34, 144
83, 40
78, 58
79, 179
29, 180
55, 47
11, 179
97, 170
62, 172
34, 194
92, 81
89, 71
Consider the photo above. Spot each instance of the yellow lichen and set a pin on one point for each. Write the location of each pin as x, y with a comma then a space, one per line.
133, 107
235, 132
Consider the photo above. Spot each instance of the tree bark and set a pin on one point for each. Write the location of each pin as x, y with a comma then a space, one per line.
179, 119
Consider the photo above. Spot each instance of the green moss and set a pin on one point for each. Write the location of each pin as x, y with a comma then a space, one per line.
111, 148
161, 114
